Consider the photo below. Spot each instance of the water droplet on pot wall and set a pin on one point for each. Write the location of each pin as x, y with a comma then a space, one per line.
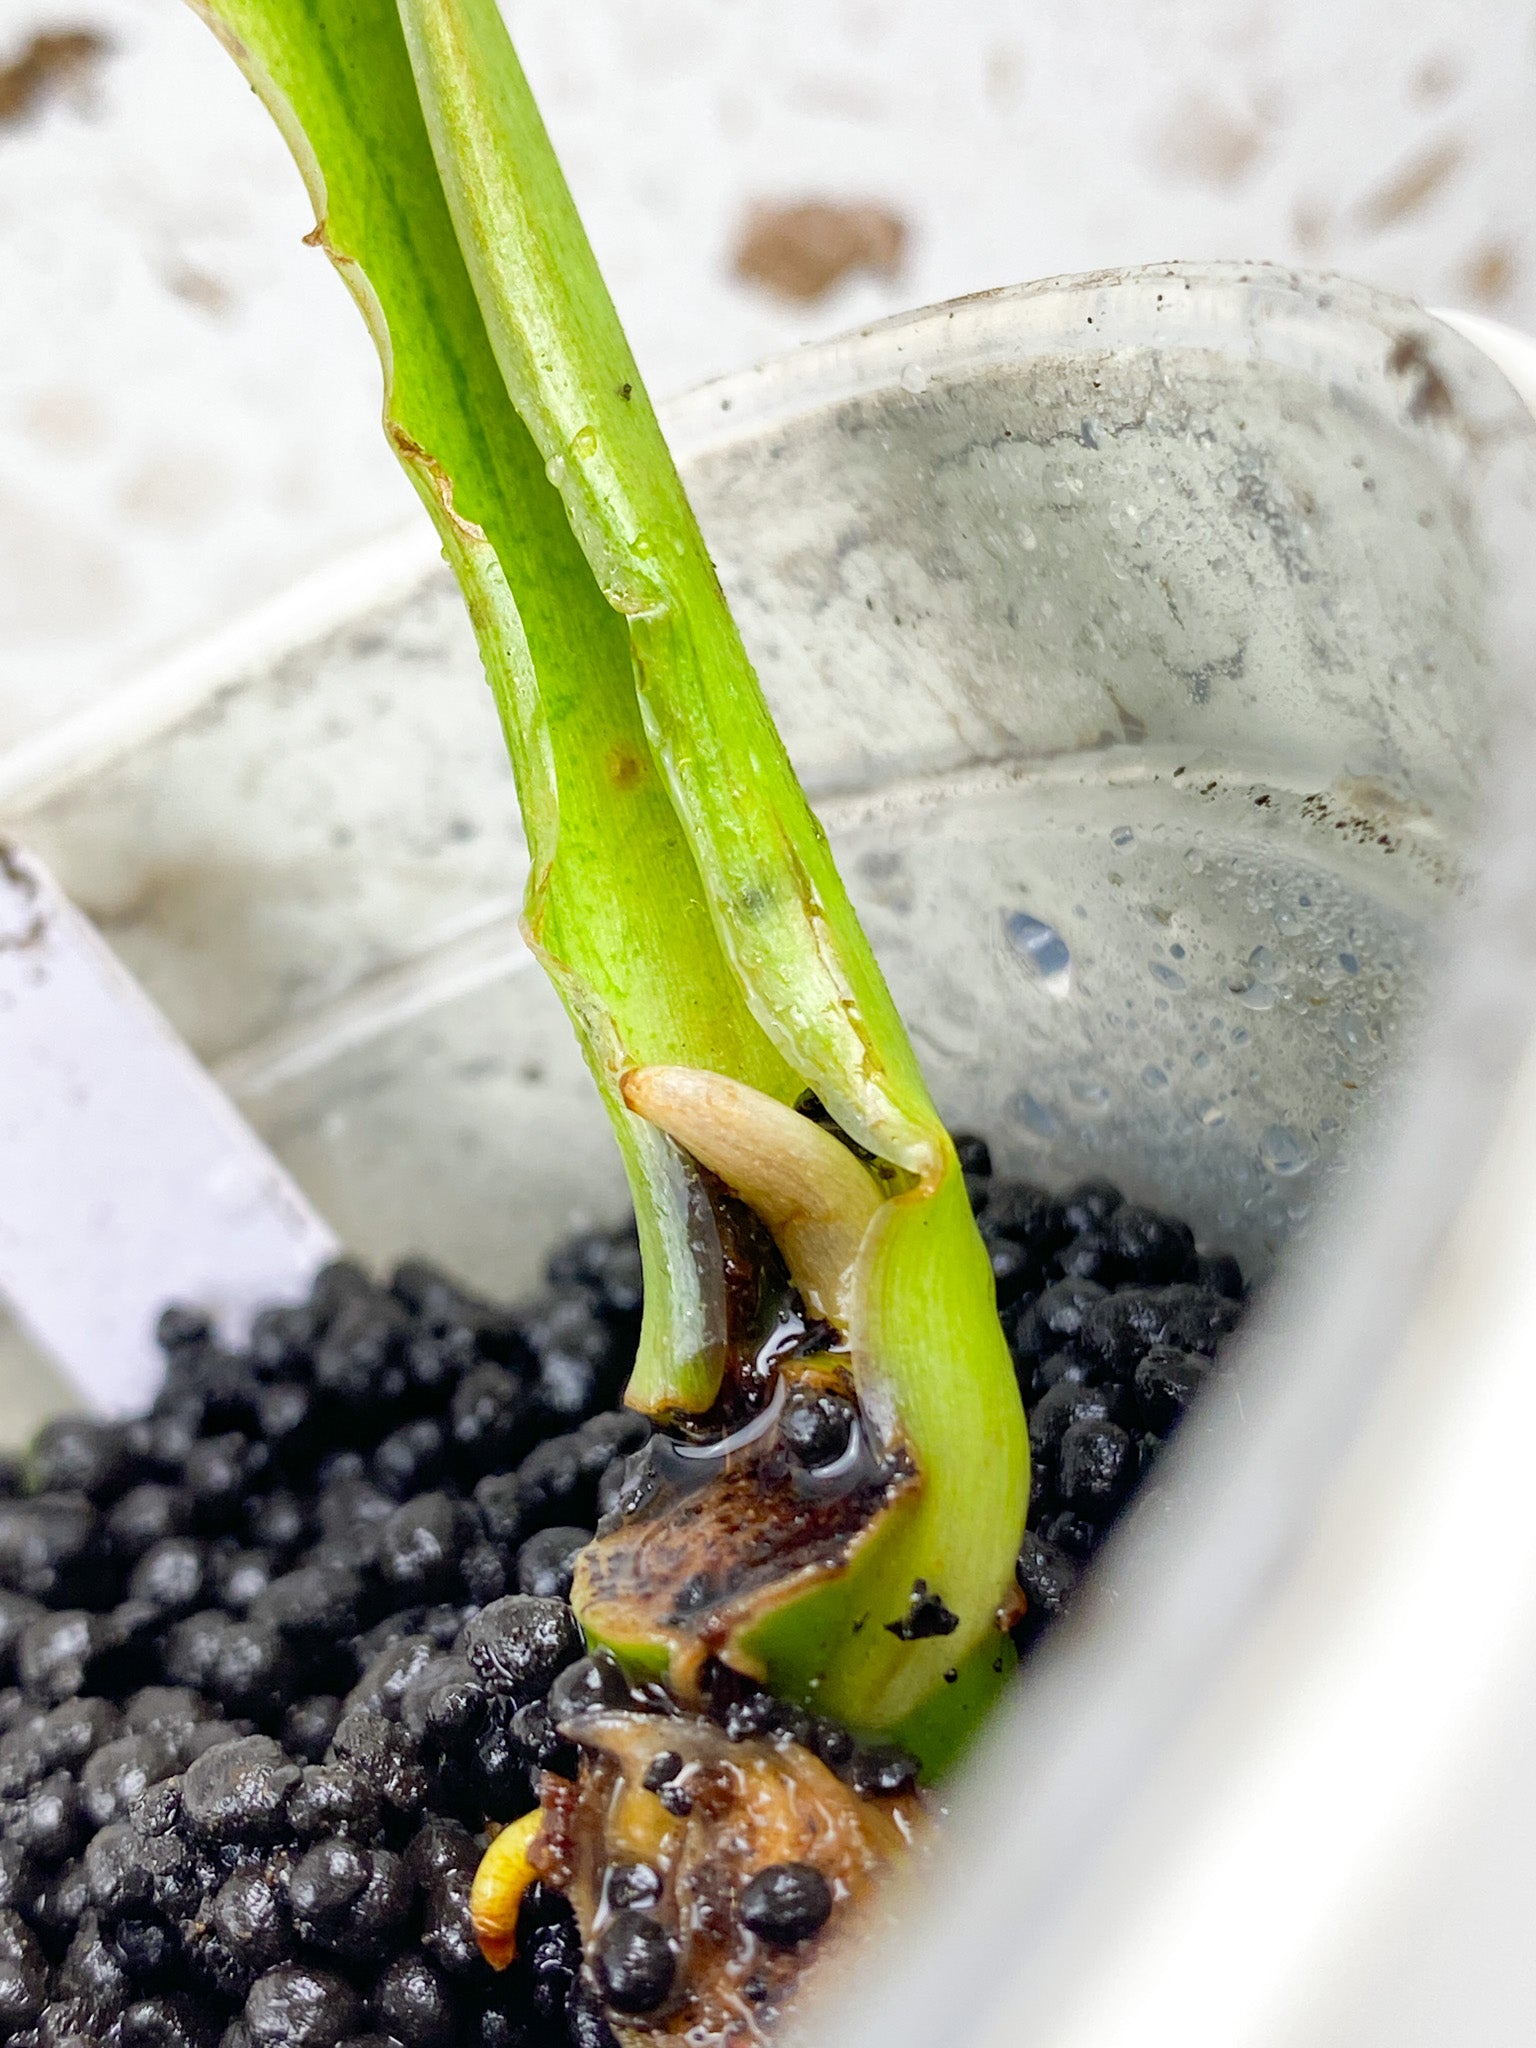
1042, 949
1282, 1152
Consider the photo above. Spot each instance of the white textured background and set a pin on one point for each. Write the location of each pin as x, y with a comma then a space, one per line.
187, 403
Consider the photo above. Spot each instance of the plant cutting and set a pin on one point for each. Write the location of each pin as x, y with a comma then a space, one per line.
685, 904
682, 896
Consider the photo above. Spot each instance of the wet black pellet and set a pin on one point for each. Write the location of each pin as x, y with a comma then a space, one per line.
412, 2003
309, 1724
1072, 1533
539, 1742
974, 1154
484, 1417
1148, 1247
120, 1772
251, 1915
238, 1577
498, 1774
547, 1560
334, 1799
420, 1544
1096, 1468
447, 1931
1062, 1407
239, 1792
171, 1575
1013, 1269
518, 1645
635, 1962
833, 1744
817, 1427
74, 1454
882, 1770
1050, 1322
633, 1884
1166, 1381
382, 1750
1027, 1217
1047, 1578
484, 1575
297, 2005
326, 1882
590, 1684
1090, 1203
49, 1823
786, 1903
585, 2020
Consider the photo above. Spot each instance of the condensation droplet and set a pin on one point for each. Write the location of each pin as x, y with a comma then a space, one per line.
1154, 1077
554, 469
584, 443
1122, 835
1209, 1113
1091, 1094
1262, 961
1287, 921
1028, 539
914, 378
1194, 860
1349, 963
1282, 1152
1170, 977
1352, 1034
1256, 995
1242, 1035
1035, 1115
1042, 949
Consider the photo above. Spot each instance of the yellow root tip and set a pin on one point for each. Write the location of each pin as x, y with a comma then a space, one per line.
500, 1882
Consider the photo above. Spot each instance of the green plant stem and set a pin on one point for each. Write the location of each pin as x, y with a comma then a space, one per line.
681, 895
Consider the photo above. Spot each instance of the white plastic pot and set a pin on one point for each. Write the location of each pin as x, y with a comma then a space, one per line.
1157, 649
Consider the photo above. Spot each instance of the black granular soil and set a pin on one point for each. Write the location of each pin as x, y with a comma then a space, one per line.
273, 1655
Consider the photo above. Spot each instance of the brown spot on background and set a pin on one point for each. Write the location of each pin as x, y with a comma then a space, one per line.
198, 288
1437, 77
1207, 143
1490, 273
1410, 189
801, 250
51, 60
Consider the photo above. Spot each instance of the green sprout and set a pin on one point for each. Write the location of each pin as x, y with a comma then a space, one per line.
682, 896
